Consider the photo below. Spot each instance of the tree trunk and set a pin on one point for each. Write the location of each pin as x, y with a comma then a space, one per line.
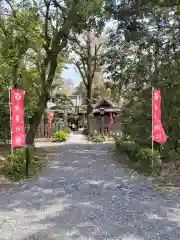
89, 106
36, 118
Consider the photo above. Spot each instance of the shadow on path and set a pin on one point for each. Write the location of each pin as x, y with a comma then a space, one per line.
86, 194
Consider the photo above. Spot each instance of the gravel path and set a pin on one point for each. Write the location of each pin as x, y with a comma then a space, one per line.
85, 194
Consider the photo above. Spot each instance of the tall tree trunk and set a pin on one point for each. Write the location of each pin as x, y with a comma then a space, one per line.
41, 106
89, 106
36, 118
14, 77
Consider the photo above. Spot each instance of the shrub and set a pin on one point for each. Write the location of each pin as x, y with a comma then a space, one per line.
67, 130
124, 137
175, 154
129, 148
165, 153
60, 136
85, 131
120, 145
15, 165
97, 138
145, 156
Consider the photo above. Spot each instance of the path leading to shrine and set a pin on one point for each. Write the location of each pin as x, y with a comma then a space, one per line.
86, 194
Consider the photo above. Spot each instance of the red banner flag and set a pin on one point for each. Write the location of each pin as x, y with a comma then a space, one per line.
17, 118
50, 119
158, 132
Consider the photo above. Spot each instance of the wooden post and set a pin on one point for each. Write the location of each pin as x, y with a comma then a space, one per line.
152, 130
10, 117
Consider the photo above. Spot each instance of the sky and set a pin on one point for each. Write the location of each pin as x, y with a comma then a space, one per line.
71, 74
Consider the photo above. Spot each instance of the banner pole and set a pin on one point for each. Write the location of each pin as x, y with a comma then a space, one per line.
10, 114
152, 129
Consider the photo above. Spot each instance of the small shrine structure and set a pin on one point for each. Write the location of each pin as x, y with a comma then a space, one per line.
105, 116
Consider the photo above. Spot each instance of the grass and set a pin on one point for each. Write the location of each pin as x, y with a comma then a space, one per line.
112, 149
15, 171
135, 166
38, 161
4, 151
161, 189
132, 168
146, 172
129, 171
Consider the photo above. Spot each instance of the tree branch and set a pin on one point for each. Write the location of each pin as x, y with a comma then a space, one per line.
75, 40
57, 5
77, 64
11, 7
64, 32
95, 61
46, 35
52, 25
4, 30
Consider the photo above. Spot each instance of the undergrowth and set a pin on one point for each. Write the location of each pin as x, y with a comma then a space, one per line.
15, 164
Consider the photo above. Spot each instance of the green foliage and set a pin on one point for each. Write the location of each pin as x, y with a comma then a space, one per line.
86, 50
142, 156
85, 132
148, 55
61, 136
174, 155
97, 138
67, 130
146, 158
33, 49
131, 149
19, 36
15, 165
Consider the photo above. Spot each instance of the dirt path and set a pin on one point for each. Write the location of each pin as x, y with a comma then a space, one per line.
85, 194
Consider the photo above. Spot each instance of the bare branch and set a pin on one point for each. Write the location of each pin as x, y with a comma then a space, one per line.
57, 5
95, 61
77, 64
85, 66
75, 40
11, 7
39, 8
46, 35
52, 25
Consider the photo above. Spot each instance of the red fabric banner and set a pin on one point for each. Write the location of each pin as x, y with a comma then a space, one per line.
158, 130
50, 119
18, 138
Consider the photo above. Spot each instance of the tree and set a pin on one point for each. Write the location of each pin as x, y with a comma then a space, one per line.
81, 90
56, 21
86, 55
18, 33
59, 21
148, 42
